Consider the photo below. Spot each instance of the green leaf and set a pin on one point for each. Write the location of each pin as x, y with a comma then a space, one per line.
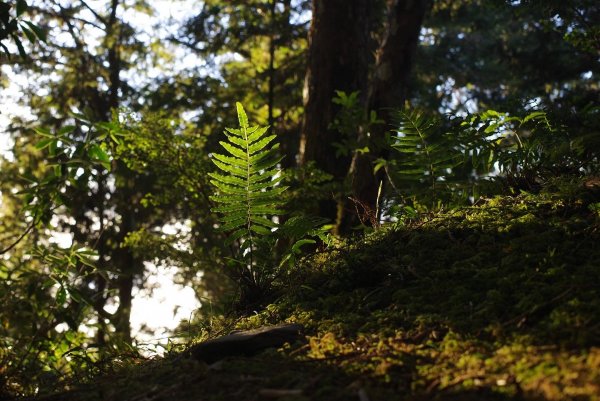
228, 189
262, 221
61, 296
235, 236
22, 51
224, 165
247, 186
242, 117
29, 33
67, 129
260, 145
228, 179
299, 243
37, 30
21, 7
44, 132
44, 143
234, 151
260, 229
96, 153
257, 134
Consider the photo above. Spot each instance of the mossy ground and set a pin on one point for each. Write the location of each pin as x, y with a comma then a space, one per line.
500, 301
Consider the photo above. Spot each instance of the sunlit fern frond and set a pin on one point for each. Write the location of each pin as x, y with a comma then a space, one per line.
427, 155
248, 190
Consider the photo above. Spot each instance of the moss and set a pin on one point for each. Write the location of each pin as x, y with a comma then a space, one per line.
497, 302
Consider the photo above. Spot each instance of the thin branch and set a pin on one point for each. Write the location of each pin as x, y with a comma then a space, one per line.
90, 9
16, 242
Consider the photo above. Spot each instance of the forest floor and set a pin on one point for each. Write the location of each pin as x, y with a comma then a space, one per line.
499, 301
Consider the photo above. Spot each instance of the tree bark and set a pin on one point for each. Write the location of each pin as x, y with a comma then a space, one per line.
387, 91
338, 59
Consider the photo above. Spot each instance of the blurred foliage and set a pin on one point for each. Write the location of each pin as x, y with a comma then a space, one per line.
12, 25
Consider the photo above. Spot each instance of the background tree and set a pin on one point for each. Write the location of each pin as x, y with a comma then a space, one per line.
99, 206
340, 60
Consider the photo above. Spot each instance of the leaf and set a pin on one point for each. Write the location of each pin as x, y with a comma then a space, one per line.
22, 51
37, 30
258, 133
21, 7
260, 229
61, 296
67, 129
235, 236
96, 153
247, 187
29, 33
44, 143
44, 132
299, 243
242, 117
234, 151
260, 145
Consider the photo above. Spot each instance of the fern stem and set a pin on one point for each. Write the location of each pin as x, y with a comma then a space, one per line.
426, 149
248, 205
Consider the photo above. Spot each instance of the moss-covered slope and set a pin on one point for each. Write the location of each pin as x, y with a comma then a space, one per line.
500, 301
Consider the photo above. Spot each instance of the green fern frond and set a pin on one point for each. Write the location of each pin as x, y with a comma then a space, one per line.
426, 154
248, 186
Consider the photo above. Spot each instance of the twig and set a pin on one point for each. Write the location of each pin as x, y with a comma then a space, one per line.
23, 235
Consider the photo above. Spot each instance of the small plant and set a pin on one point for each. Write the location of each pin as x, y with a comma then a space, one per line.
250, 201
427, 157
249, 194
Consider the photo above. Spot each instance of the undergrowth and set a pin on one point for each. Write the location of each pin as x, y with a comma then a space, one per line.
499, 301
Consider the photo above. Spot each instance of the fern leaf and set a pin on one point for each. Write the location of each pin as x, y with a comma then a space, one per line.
254, 136
227, 179
236, 132
259, 229
263, 221
228, 189
427, 155
248, 186
234, 151
256, 146
228, 168
236, 140
266, 175
242, 117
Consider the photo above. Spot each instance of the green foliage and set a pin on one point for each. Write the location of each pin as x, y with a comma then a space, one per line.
529, 150
428, 155
249, 196
455, 161
68, 154
248, 192
10, 25
350, 120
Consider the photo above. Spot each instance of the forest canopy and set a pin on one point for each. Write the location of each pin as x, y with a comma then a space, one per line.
232, 140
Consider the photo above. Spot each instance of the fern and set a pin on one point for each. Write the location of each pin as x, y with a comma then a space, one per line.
428, 156
248, 185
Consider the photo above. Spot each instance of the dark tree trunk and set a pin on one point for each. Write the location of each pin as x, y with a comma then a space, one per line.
338, 59
271, 94
126, 194
387, 90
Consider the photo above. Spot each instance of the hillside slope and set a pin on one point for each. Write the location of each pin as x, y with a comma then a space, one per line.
500, 301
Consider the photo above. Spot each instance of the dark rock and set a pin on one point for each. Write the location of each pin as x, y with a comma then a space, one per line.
246, 343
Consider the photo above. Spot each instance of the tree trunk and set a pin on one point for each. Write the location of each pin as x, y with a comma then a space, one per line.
387, 91
338, 60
